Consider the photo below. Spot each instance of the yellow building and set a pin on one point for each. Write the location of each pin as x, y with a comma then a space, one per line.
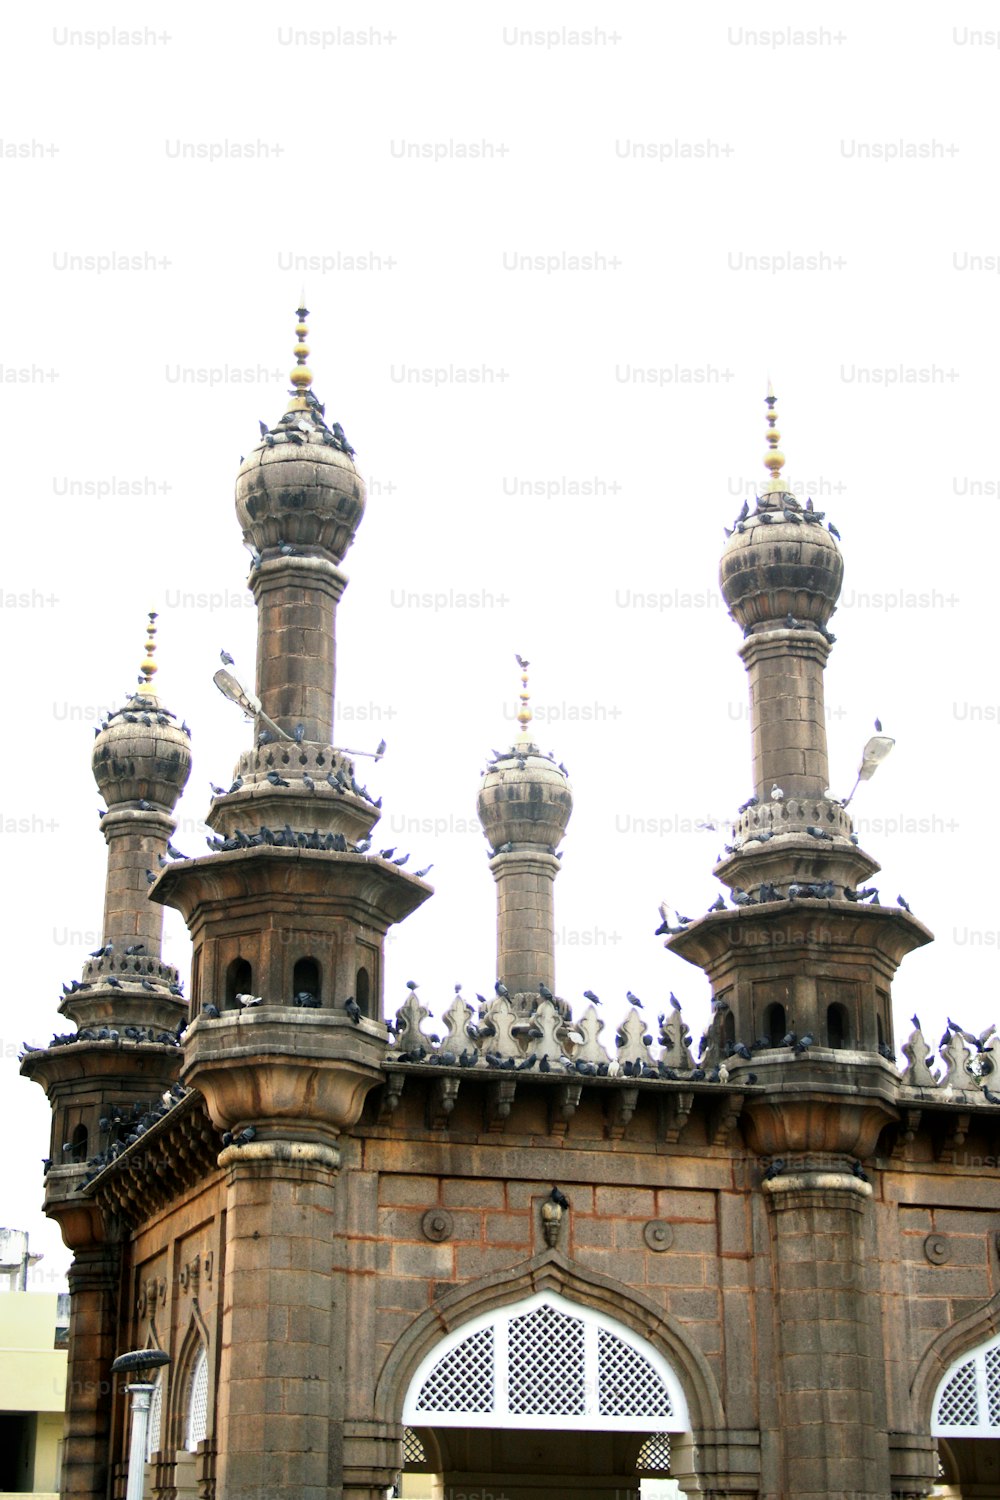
32, 1392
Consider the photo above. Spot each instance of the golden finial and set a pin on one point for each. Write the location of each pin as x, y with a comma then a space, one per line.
774, 460
524, 714
148, 666
301, 375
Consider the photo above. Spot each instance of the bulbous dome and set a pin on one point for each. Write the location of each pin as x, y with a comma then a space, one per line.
773, 567
524, 798
141, 754
299, 486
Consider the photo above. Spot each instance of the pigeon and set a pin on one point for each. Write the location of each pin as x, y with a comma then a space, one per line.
589, 995
308, 782
833, 530
299, 733
150, 877
250, 1000
502, 990
353, 1009
380, 750
226, 659
411, 984
425, 871
524, 665
990, 1097
915, 1020
718, 904
775, 1169
557, 1197
387, 853
264, 429
401, 861
210, 1012
804, 1043
859, 1172
237, 784
545, 992
135, 948
633, 999
276, 780
902, 901
878, 726
217, 791
102, 952
776, 793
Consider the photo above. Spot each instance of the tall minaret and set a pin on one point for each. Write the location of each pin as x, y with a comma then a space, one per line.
126, 1009
524, 806
802, 954
291, 909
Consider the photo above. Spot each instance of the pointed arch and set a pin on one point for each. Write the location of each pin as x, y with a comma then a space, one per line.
945, 1352
540, 1358
551, 1272
192, 1364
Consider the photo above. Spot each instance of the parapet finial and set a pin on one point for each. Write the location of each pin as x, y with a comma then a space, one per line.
148, 666
774, 460
524, 715
301, 375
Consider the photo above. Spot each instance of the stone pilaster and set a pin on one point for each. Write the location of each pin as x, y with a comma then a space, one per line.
829, 1397
274, 1396
93, 1318
297, 601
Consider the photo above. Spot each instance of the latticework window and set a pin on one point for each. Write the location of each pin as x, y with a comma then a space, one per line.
463, 1380
413, 1448
545, 1364
654, 1455
197, 1413
155, 1419
541, 1359
968, 1399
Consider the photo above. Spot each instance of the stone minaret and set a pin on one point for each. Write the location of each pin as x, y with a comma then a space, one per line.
524, 806
125, 1011
290, 908
802, 954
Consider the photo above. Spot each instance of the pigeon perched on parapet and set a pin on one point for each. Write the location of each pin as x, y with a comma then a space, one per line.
775, 1169
276, 780
776, 793
353, 1009
902, 901
502, 990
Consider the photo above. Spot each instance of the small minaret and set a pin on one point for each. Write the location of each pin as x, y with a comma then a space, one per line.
126, 1010
524, 806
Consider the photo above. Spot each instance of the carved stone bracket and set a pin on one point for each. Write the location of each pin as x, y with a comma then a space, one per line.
723, 1118
909, 1125
675, 1108
621, 1107
563, 1105
392, 1093
441, 1098
499, 1098
955, 1131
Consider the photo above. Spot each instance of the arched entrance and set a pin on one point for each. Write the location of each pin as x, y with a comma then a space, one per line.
537, 1396
966, 1415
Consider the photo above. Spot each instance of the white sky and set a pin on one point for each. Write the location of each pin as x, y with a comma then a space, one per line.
646, 705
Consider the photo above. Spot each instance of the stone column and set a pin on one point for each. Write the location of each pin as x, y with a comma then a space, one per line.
297, 601
93, 1319
829, 1399
787, 711
525, 919
272, 1425
135, 839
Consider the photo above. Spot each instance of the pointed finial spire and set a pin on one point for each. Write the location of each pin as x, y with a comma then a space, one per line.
301, 375
148, 666
524, 715
774, 460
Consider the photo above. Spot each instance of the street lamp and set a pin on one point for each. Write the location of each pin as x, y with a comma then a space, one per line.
141, 1392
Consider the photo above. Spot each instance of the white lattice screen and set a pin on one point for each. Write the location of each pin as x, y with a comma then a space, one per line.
197, 1421
155, 1419
654, 1455
541, 1359
968, 1399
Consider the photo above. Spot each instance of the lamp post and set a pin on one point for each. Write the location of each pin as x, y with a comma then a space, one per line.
141, 1392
